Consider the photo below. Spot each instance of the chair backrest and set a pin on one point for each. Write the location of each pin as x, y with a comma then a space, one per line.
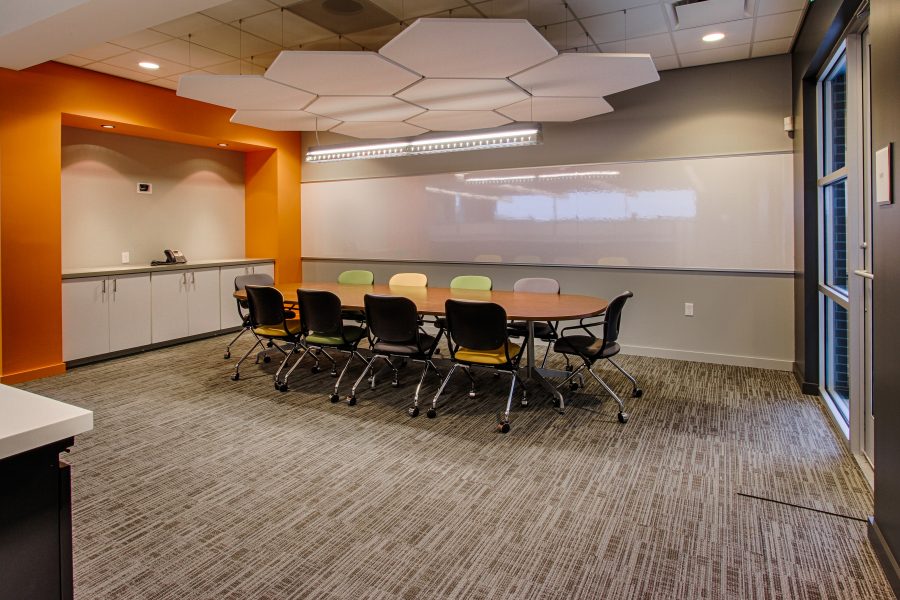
537, 285
614, 317
357, 277
471, 282
320, 311
266, 305
476, 325
409, 280
392, 318
242, 281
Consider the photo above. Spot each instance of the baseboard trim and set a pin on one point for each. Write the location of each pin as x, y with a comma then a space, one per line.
885, 556
710, 357
29, 374
89, 360
808, 388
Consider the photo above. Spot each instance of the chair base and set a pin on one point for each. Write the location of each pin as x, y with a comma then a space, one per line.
636, 392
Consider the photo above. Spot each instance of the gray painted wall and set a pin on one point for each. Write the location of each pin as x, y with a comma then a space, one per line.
723, 109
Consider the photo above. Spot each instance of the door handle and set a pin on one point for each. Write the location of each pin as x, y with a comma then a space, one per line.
115, 285
864, 273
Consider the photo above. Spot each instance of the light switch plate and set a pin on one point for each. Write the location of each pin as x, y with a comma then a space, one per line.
883, 175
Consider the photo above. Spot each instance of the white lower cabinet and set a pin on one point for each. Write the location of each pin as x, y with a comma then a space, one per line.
169, 305
105, 314
203, 301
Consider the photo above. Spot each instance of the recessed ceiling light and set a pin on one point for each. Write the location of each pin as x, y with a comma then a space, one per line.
223, 145
108, 126
713, 37
146, 64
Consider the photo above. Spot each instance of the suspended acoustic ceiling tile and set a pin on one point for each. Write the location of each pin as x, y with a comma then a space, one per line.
284, 28
458, 120
773, 27
588, 75
242, 92
463, 94
141, 39
340, 73
187, 53
709, 12
770, 47
770, 7
101, 52
714, 55
236, 67
131, 60
374, 130
665, 63
238, 9
691, 40
363, 108
71, 59
283, 120
481, 48
556, 109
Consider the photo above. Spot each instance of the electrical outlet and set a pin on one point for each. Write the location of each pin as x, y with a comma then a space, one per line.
126, 257
689, 309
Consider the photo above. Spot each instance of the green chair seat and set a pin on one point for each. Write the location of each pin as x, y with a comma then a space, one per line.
352, 334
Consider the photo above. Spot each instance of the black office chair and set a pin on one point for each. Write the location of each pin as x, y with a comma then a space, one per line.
590, 349
394, 332
324, 328
269, 321
240, 282
478, 337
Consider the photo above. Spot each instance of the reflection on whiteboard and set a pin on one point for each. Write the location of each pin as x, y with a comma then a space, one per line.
731, 213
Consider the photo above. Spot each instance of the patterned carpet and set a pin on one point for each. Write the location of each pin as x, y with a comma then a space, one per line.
196, 486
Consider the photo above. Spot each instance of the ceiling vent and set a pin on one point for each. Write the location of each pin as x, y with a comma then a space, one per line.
343, 16
699, 13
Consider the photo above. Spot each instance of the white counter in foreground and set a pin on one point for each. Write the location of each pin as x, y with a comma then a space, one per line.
29, 421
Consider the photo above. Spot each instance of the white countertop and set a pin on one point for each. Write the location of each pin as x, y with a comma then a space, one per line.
143, 268
29, 421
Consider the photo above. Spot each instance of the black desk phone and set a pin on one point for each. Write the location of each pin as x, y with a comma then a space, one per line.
173, 257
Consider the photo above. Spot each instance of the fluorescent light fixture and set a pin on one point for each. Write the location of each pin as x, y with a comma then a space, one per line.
578, 174
508, 136
108, 126
713, 37
500, 179
146, 64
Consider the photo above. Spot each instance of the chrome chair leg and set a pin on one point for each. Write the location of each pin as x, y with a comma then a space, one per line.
432, 412
281, 384
337, 384
359, 380
233, 340
237, 368
428, 365
623, 416
546, 353
503, 425
636, 391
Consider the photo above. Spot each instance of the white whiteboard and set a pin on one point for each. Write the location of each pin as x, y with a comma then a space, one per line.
720, 213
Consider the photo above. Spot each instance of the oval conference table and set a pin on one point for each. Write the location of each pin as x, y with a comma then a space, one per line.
519, 306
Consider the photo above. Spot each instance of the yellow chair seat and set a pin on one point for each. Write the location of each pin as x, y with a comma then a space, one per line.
487, 357
278, 331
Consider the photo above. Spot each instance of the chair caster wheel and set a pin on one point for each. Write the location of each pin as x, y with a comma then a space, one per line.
270, 344
351, 400
413, 412
569, 368
283, 387
267, 359
623, 417
235, 376
503, 427
333, 373
315, 369
334, 398
637, 393
395, 383
472, 394
431, 413
573, 386
496, 374
227, 355
524, 402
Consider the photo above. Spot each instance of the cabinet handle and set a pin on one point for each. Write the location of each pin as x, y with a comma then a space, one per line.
192, 277
115, 285
104, 286
184, 279
253, 270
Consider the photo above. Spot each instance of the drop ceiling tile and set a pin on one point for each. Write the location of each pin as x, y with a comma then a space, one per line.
373, 130
715, 55
770, 47
232, 41
458, 120
564, 36
556, 109
588, 75
468, 47
606, 28
193, 55
645, 20
131, 60
101, 52
373, 39
589, 8
266, 60
773, 27
463, 94
340, 73
709, 12
656, 45
283, 120
539, 12
141, 39
363, 108
71, 59
242, 92
185, 25
665, 63
691, 40
408, 10
119, 71
332, 44
771, 7
239, 9
236, 67
164, 82
284, 28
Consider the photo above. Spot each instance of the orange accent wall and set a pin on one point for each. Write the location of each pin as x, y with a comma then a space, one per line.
34, 105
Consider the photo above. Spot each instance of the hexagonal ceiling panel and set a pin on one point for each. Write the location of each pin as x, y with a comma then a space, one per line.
363, 108
283, 120
458, 120
373, 130
463, 94
556, 109
242, 92
586, 75
340, 73
472, 48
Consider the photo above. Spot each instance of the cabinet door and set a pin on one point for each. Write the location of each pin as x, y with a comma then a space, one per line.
85, 317
169, 305
267, 268
129, 311
227, 304
203, 301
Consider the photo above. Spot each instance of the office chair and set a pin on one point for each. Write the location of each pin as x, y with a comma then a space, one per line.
543, 330
409, 280
394, 332
269, 321
240, 282
324, 328
466, 282
590, 349
355, 277
478, 338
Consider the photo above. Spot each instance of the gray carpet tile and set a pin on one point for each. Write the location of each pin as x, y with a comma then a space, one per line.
195, 486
